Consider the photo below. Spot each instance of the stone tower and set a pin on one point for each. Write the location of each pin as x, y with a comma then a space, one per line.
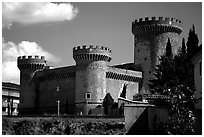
28, 66
150, 38
90, 85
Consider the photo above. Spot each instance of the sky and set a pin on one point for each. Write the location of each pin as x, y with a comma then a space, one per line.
53, 30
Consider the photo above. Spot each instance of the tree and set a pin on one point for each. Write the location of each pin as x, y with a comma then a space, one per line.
181, 118
183, 46
164, 74
168, 49
177, 83
107, 102
185, 76
192, 42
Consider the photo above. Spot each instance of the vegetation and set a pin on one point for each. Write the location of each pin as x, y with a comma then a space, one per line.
192, 42
62, 126
108, 101
175, 78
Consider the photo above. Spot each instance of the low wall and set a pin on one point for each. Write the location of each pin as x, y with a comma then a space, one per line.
143, 118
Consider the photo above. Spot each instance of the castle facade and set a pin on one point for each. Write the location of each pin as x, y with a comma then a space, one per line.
82, 87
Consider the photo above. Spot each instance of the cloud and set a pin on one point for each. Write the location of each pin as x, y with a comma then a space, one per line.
31, 12
10, 52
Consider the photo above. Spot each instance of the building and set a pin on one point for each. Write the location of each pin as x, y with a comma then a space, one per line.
82, 87
196, 59
10, 98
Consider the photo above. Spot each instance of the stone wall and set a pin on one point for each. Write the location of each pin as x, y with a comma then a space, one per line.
53, 85
90, 79
28, 66
197, 62
114, 87
52, 91
91, 65
150, 39
116, 78
148, 49
143, 119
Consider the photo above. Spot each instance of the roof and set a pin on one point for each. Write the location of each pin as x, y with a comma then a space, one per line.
129, 66
9, 85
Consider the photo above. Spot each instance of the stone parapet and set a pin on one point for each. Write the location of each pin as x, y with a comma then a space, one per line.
156, 25
31, 62
91, 52
123, 74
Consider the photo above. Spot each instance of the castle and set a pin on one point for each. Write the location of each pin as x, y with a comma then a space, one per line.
82, 87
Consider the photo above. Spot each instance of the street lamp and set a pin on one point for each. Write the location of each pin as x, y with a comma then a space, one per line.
58, 107
58, 102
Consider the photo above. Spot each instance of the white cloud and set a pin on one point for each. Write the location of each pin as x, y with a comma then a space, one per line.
31, 12
10, 52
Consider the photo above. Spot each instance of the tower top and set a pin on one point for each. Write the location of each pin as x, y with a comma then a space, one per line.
154, 24
32, 62
91, 53
91, 49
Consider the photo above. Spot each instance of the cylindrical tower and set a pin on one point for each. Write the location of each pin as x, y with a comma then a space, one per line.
28, 66
150, 39
91, 65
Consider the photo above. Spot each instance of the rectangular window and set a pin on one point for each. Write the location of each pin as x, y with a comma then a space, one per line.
200, 67
3, 108
88, 95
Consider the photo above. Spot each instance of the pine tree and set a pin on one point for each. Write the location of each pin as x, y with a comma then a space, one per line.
183, 50
168, 49
165, 77
164, 73
175, 79
192, 42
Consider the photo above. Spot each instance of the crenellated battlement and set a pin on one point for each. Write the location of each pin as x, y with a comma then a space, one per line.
90, 47
91, 52
156, 20
31, 62
156, 24
31, 57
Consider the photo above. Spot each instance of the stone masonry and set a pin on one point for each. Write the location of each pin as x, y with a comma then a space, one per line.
150, 38
82, 87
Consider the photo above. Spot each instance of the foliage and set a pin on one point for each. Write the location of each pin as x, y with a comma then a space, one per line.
184, 70
62, 126
114, 105
165, 77
175, 78
171, 72
181, 118
24, 127
168, 49
192, 42
183, 47
107, 102
7, 128
138, 97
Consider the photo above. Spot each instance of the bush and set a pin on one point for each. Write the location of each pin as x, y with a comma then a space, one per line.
55, 126
25, 127
7, 128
